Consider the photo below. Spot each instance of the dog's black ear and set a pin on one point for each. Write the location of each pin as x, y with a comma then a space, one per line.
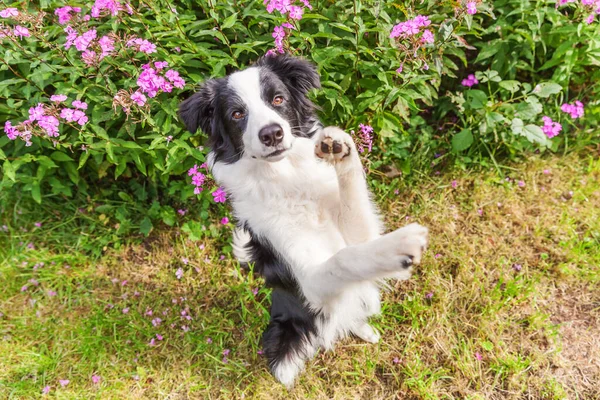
295, 72
197, 111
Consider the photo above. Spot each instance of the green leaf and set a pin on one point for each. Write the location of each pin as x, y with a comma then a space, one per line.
546, 89
476, 99
229, 21
146, 226
528, 109
36, 192
9, 170
60, 156
511, 86
462, 140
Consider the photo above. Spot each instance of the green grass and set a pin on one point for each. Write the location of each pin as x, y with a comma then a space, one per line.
488, 331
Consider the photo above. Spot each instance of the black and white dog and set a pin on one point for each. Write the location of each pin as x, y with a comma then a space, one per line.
302, 204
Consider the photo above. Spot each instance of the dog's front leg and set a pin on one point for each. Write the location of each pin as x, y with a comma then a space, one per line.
357, 216
391, 255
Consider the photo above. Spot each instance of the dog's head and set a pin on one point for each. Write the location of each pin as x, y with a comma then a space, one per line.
256, 112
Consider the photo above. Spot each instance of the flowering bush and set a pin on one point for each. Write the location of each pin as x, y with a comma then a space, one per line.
90, 90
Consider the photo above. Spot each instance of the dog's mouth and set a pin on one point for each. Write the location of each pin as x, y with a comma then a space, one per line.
276, 153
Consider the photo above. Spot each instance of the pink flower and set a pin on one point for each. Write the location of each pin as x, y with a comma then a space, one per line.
365, 138
400, 68
80, 104
38, 224
107, 45
152, 342
226, 352
138, 98
546, 171
471, 7
96, 379
429, 296
590, 18
478, 356
58, 98
46, 389
159, 336
147, 47
64, 15
9, 12
10, 131
83, 41
21, 31
224, 221
454, 184
179, 273
551, 128
521, 183
156, 322
160, 65
427, 36
181, 212
64, 382
396, 360
89, 57
470, 81
517, 267
219, 195
296, 12
126, 310
575, 110
410, 27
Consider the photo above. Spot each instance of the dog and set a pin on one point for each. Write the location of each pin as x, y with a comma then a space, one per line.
304, 213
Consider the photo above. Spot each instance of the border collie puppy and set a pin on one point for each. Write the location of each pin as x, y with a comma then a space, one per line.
305, 218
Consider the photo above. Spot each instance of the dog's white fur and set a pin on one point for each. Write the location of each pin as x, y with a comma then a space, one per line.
318, 214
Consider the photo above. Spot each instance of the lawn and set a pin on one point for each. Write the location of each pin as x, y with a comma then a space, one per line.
505, 305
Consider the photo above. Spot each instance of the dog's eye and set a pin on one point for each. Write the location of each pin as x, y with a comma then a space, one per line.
277, 101
237, 115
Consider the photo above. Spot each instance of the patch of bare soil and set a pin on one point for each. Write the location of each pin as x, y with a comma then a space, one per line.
576, 310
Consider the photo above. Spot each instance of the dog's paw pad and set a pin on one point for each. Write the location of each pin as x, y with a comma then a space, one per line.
334, 145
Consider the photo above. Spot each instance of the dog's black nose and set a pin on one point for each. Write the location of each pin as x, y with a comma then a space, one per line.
271, 135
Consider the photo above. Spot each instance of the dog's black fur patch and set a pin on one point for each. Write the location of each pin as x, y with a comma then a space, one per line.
292, 324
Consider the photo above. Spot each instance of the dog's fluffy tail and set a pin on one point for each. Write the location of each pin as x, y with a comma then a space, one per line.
241, 239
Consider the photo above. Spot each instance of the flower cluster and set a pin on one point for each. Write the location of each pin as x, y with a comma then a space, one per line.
151, 81
142, 45
365, 138
550, 127
575, 109
64, 13
198, 177
589, 6
471, 8
19, 31
469, 81
293, 12
411, 27
410, 36
43, 120
112, 7
286, 6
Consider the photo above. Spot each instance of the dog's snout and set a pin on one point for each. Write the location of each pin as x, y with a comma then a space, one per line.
271, 135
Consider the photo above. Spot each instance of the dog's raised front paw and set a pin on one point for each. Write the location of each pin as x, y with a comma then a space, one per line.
409, 244
334, 145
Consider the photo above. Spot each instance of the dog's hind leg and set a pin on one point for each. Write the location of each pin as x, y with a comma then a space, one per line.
289, 338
